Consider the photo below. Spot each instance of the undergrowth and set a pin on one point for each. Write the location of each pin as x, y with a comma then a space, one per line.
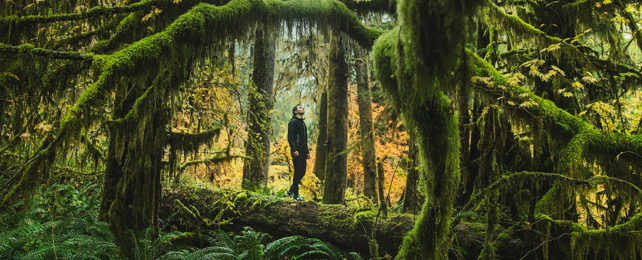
62, 223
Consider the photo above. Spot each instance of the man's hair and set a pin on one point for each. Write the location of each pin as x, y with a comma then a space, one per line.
294, 109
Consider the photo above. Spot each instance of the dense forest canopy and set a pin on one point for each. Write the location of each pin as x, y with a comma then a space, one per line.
437, 129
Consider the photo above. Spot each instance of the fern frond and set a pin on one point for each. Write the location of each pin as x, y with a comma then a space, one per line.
276, 247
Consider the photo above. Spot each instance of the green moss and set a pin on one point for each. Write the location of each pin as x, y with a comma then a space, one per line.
364, 218
587, 142
414, 69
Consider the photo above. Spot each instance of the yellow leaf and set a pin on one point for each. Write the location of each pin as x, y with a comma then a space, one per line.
577, 86
146, 17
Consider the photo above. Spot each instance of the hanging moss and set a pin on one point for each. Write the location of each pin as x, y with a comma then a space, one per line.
191, 142
18, 21
622, 241
389, 6
525, 179
587, 142
520, 28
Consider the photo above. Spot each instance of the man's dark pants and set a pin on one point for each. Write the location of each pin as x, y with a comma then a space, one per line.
299, 171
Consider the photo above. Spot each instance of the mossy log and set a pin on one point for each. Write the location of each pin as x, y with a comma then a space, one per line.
198, 209
347, 228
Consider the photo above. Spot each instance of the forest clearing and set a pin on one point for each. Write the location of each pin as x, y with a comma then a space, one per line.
320, 129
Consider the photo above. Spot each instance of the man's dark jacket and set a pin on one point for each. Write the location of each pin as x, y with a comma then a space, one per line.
298, 136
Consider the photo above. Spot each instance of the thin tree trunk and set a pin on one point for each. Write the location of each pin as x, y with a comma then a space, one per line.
336, 164
255, 170
383, 206
410, 195
322, 145
364, 101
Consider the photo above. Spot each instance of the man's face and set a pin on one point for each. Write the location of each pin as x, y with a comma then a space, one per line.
300, 111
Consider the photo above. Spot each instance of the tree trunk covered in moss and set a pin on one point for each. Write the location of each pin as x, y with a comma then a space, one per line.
414, 64
255, 170
366, 128
410, 200
336, 168
132, 180
322, 140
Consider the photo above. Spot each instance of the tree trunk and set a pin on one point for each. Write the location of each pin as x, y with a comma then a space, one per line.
383, 205
410, 201
336, 164
364, 101
255, 170
131, 187
322, 145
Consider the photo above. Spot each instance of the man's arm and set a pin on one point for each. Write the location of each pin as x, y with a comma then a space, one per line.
292, 136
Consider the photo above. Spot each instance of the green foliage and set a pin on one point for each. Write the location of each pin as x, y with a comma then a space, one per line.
63, 239
250, 244
147, 247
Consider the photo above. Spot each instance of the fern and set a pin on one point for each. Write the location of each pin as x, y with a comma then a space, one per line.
249, 245
355, 256
274, 249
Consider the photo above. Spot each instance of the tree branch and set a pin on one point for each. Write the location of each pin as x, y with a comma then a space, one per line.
28, 49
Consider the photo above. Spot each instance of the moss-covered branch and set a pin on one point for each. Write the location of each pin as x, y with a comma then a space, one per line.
212, 160
587, 141
389, 6
191, 141
7, 21
523, 28
522, 179
623, 241
28, 49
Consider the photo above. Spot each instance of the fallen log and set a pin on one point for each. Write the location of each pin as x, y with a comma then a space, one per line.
193, 209
350, 229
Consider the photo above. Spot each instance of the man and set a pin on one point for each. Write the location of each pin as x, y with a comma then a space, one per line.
298, 140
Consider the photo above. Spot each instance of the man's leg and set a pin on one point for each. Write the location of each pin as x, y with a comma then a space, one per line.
299, 171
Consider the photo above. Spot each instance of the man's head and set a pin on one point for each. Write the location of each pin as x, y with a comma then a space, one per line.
298, 111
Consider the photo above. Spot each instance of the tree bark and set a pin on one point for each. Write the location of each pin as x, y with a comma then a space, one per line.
132, 187
255, 170
336, 164
364, 101
410, 202
383, 205
322, 145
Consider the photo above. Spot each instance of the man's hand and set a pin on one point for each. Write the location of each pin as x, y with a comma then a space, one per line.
296, 153
308, 156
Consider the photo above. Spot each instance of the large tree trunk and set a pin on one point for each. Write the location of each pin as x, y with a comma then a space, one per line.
322, 145
131, 187
336, 164
255, 169
364, 101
